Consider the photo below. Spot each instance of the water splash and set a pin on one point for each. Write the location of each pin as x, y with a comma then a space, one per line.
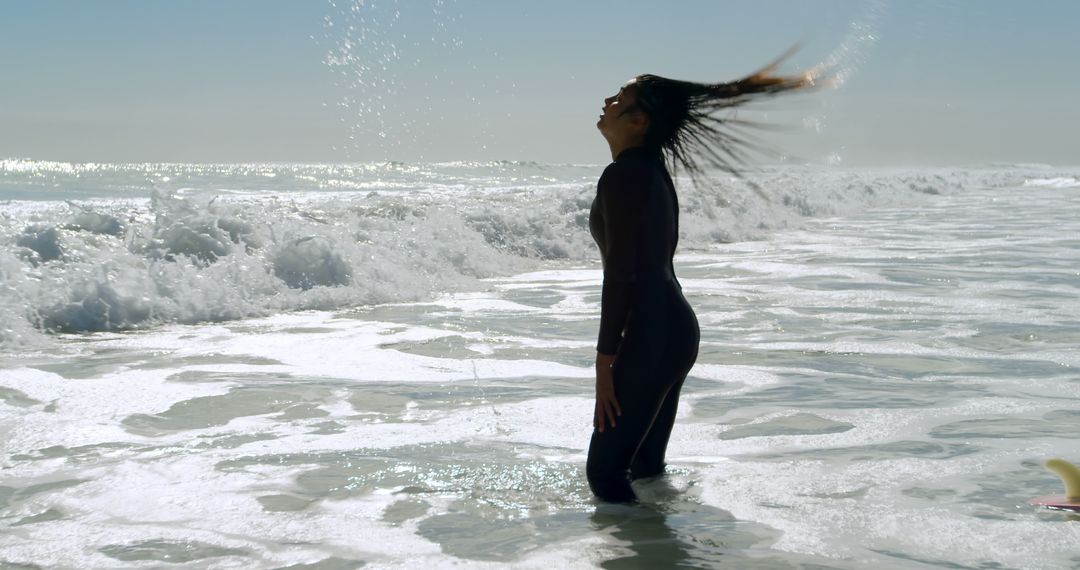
376, 48
855, 48
844, 62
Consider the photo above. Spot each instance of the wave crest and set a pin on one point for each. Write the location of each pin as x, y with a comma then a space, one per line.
217, 253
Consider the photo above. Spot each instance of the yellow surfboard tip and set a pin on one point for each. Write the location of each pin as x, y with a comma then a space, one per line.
1070, 476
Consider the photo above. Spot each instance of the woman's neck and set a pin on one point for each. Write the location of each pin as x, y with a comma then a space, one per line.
620, 147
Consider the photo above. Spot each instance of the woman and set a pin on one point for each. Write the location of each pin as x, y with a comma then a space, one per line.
648, 338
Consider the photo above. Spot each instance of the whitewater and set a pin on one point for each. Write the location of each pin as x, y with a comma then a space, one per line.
390, 365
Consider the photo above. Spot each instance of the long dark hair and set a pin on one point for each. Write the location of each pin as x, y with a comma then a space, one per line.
686, 123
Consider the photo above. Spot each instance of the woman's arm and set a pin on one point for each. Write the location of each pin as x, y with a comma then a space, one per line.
607, 407
620, 197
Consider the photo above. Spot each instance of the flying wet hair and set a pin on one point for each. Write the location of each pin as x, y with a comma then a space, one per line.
688, 125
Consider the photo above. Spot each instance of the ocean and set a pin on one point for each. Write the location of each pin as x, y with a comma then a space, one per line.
390, 365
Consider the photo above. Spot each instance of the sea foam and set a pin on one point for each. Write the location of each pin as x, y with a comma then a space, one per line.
96, 247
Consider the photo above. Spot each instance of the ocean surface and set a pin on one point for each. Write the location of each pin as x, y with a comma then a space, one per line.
390, 365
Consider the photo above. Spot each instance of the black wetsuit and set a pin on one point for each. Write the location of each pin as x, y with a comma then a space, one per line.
644, 319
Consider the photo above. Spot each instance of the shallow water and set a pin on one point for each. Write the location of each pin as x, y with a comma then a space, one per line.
878, 388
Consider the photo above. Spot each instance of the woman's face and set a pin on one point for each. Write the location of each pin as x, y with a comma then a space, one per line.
622, 118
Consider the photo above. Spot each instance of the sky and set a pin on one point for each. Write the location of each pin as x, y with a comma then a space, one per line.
927, 82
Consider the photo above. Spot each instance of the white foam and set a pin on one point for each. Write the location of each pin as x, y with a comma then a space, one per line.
814, 523
778, 270
252, 240
354, 350
1056, 182
89, 411
478, 303
191, 501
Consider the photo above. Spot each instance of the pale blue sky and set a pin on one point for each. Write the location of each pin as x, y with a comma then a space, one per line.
946, 82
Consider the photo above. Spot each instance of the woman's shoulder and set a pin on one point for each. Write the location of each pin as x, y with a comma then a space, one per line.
626, 174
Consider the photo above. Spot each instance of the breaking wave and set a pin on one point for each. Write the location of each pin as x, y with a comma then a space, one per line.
90, 247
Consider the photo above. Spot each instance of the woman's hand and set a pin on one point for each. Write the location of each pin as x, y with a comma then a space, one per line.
606, 405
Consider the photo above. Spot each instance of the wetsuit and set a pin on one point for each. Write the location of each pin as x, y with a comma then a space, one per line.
644, 319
